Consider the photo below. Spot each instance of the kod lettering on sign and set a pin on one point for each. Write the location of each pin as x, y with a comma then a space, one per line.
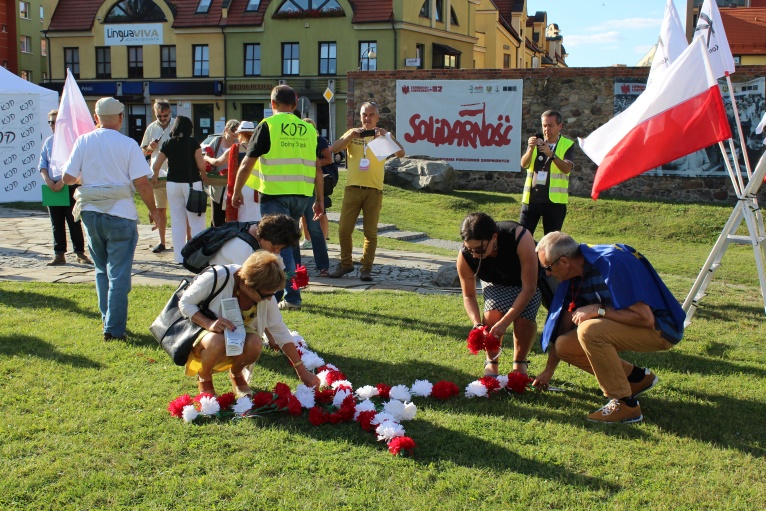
30, 185
27, 118
29, 145
28, 159
462, 133
29, 172
11, 186
10, 173
9, 118
7, 105
26, 105
8, 137
27, 132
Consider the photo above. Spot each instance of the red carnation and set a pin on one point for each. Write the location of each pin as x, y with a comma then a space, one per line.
383, 390
401, 446
324, 396
198, 397
316, 416
347, 408
282, 389
176, 406
364, 419
491, 383
209, 152
294, 406
444, 390
300, 278
335, 418
334, 376
262, 399
226, 400
475, 341
491, 343
518, 382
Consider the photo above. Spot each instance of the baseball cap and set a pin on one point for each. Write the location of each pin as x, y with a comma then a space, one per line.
109, 106
245, 126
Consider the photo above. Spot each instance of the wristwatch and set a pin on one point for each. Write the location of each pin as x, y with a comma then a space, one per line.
601, 312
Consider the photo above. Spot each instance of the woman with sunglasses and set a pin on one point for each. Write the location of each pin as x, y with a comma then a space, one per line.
502, 256
253, 284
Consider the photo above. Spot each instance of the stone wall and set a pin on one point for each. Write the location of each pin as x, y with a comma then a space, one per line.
584, 96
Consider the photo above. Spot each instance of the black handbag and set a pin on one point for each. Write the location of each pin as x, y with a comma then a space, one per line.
175, 333
197, 201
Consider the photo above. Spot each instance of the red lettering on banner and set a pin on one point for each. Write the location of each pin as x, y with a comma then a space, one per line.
462, 133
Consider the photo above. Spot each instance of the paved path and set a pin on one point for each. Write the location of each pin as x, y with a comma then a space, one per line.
26, 245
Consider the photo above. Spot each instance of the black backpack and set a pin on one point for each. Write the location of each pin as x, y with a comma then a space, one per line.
198, 252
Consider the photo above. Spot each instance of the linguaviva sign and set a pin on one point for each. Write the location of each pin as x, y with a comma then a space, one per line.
133, 34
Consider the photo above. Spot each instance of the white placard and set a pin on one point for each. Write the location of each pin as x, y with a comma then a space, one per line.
471, 124
132, 34
383, 147
20, 145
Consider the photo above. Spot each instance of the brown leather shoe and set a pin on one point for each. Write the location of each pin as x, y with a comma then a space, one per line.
83, 259
58, 260
365, 276
340, 271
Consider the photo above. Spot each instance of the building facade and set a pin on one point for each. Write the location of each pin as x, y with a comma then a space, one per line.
219, 59
23, 51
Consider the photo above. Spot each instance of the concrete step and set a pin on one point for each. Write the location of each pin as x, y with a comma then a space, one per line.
403, 235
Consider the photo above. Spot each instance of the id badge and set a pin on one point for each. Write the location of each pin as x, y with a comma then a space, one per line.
364, 164
542, 177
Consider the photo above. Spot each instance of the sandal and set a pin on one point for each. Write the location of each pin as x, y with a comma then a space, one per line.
525, 362
490, 362
206, 387
240, 386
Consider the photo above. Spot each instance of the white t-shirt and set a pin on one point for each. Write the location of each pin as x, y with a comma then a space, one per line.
234, 251
155, 131
106, 157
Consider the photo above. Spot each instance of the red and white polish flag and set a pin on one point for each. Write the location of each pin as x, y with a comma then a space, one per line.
677, 114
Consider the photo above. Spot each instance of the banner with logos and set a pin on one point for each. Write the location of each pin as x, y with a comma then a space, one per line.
132, 34
20, 143
709, 162
471, 124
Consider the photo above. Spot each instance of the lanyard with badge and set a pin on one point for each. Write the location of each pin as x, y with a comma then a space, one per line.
541, 176
364, 163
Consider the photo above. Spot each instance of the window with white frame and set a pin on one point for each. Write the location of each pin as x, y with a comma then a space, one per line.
203, 6
252, 5
72, 61
24, 10
368, 58
27, 75
25, 44
328, 58
252, 59
43, 47
201, 65
290, 58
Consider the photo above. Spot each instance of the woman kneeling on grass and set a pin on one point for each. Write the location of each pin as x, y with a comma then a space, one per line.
252, 284
502, 255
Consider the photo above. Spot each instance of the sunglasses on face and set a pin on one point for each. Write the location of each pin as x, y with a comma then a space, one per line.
264, 296
480, 250
51, 122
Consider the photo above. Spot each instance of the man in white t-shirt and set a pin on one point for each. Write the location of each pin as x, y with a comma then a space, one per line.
154, 136
110, 168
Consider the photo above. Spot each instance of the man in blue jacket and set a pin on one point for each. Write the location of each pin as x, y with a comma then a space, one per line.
610, 300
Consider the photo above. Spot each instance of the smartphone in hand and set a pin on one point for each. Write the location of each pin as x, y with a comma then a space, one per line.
367, 133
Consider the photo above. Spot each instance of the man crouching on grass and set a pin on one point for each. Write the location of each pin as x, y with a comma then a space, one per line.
610, 299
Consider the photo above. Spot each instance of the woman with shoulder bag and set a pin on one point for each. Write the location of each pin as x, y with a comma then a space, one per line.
220, 164
186, 172
253, 284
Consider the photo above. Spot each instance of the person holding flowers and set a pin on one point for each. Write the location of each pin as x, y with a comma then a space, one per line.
252, 284
502, 256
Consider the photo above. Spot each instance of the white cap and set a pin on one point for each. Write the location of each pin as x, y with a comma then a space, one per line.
109, 106
245, 126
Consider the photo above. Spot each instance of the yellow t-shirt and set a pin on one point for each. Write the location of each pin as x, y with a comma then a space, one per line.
372, 176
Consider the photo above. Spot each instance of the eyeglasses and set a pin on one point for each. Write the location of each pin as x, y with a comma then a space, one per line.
160, 116
549, 268
480, 250
264, 296
51, 122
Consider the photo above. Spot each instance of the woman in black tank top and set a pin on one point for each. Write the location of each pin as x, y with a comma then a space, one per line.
502, 256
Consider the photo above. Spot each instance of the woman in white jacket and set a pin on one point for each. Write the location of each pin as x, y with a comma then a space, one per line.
252, 284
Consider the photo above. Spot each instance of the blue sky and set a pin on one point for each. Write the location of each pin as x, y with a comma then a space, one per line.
601, 33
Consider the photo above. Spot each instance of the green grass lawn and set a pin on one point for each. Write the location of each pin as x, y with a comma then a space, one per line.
86, 427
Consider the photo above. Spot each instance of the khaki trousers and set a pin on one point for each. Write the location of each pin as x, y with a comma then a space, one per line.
368, 201
594, 347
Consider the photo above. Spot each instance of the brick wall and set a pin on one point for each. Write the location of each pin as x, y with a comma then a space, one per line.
585, 98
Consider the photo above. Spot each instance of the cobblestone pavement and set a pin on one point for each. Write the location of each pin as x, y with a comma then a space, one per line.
26, 245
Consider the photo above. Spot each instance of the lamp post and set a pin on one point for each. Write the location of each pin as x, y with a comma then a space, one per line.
370, 52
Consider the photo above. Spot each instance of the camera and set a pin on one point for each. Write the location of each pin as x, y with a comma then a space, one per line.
367, 133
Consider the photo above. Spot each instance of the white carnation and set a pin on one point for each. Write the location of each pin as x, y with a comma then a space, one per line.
409, 411
189, 413
382, 417
305, 395
503, 381
322, 375
342, 383
364, 406
389, 430
298, 339
400, 392
337, 400
394, 408
311, 360
209, 405
330, 366
422, 388
242, 405
366, 392
476, 389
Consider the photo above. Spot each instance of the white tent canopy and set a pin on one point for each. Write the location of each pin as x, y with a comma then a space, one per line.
23, 129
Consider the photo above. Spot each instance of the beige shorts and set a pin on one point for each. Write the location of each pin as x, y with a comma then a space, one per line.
161, 198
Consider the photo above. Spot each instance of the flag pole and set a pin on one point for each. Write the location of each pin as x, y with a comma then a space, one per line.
739, 129
737, 188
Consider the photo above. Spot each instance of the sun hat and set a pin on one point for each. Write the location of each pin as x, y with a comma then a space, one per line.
245, 126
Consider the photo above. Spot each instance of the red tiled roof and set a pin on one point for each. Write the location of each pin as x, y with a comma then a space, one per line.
505, 8
372, 11
186, 15
238, 17
745, 30
71, 15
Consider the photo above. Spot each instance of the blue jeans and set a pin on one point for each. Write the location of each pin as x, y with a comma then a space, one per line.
112, 242
292, 206
318, 243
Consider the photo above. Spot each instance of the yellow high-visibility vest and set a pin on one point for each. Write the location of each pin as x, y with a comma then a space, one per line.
289, 168
558, 187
